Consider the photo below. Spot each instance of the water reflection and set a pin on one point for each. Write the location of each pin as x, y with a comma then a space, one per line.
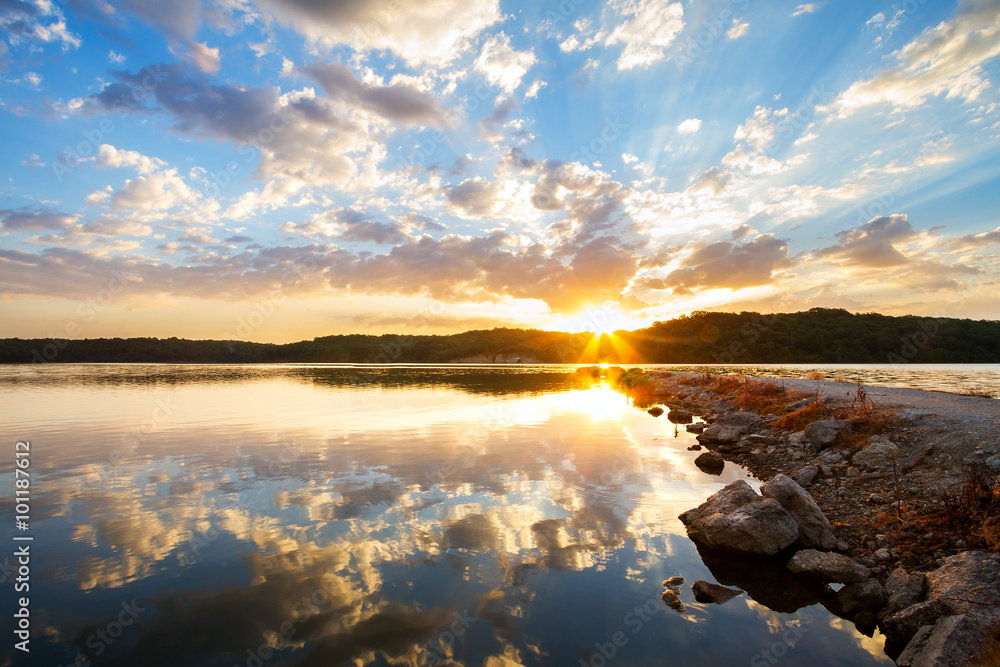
303, 516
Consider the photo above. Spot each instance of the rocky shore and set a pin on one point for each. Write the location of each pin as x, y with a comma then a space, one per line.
858, 482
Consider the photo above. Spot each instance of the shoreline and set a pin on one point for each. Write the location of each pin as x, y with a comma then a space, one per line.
880, 509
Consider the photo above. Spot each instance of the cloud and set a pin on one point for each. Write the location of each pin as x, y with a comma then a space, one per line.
871, 244
178, 21
757, 131
502, 65
970, 242
534, 88
714, 180
421, 32
156, 192
737, 29
646, 28
348, 225
35, 219
689, 126
947, 59
474, 196
33, 160
727, 264
399, 102
805, 9
109, 156
299, 136
115, 58
39, 23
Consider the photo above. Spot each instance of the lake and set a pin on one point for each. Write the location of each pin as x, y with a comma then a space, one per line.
326, 515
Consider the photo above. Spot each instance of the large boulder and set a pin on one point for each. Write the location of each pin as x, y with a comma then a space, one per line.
954, 641
815, 531
828, 567
970, 583
903, 625
730, 427
877, 454
903, 589
737, 519
824, 433
678, 416
866, 595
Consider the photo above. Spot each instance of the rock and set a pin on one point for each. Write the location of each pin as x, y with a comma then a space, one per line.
878, 454
903, 589
677, 416
798, 439
853, 472
673, 582
901, 626
842, 545
866, 623
824, 433
737, 519
828, 567
954, 641
882, 555
694, 448
695, 428
970, 582
815, 531
673, 600
993, 463
731, 427
755, 440
707, 592
711, 462
656, 411
867, 595
806, 475
831, 457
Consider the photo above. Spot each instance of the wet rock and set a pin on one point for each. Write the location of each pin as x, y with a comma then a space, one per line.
711, 462
731, 427
824, 433
815, 531
867, 595
903, 589
673, 600
764, 580
806, 475
656, 411
694, 448
673, 582
708, 592
903, 625
828, 567
878, 454
695, 428
866, 623
954, 641
737, 519
677, 416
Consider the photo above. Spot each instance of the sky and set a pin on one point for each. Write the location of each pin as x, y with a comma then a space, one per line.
280, 170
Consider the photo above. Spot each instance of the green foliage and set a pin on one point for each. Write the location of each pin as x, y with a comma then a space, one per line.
820, 335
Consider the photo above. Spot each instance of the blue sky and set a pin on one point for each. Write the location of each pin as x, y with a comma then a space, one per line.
282, 170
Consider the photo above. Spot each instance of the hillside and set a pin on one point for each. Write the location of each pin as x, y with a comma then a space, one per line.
816, 336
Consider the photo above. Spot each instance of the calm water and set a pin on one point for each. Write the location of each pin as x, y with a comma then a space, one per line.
248, 515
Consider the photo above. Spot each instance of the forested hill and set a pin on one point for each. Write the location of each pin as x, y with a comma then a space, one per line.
819, 335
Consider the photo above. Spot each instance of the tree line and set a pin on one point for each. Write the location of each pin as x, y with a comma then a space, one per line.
819, 335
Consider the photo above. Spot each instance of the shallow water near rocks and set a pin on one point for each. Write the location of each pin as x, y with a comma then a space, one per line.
318, 515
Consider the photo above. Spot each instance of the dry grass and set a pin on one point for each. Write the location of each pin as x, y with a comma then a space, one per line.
763, 396
979, 391
971, 514
798, 420
866, 418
